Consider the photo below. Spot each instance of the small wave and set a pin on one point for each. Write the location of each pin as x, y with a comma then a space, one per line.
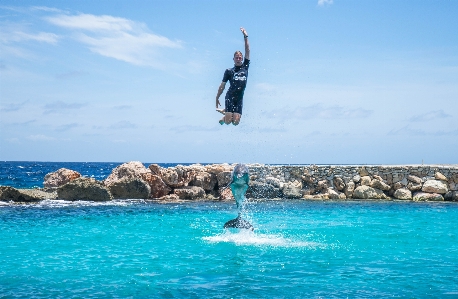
246, 237
53, 203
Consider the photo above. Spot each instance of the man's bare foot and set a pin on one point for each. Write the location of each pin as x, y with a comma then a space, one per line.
222, 111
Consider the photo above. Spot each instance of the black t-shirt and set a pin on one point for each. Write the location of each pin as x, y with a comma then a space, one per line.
237, 77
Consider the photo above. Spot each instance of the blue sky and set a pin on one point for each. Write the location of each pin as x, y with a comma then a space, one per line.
331, 82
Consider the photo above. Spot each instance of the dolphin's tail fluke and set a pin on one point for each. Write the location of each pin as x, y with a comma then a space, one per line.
238, 223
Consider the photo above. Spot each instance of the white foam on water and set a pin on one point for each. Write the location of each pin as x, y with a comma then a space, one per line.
48, 203
247, 237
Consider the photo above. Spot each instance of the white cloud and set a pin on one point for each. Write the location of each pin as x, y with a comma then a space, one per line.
408, 131
60, 106
115, 37
325, 2
9, 35
320, 111
40, 137
433, 115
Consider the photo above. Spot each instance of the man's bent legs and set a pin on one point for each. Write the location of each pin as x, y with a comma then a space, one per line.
236, 118
227, 118
233, 118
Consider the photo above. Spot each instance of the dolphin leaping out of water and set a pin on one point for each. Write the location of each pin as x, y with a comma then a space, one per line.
239, 186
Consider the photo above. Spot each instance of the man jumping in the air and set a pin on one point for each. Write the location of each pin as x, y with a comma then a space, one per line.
237, 77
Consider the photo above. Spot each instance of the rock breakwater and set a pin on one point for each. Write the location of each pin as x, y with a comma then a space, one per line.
133, 180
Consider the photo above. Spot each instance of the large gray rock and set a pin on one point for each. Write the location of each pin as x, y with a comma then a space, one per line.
25, 195
434, 186
190, 192
339, 183
205, 180
291, 190
363, 172
60, 177
349, 189
133, 169
224, 178
158, 187
439, 176
414, 187
84, 189
262, 190
130, 188
366, 192
377, 184
414, 179
366, 181
403, 193
451, 196
423, 196
178, 176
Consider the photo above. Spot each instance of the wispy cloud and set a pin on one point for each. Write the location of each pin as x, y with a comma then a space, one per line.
40, 137
123, 107
325, 2
408, 131
66, 127
12, 106
182, 129
320, 111
60, 106
121, 125
115, 37
433, 115
15, 34
70, 75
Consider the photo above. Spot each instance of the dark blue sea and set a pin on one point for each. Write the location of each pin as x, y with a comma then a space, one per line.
24, 175
299, 249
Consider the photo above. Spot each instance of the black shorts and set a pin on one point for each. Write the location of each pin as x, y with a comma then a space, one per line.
234, 105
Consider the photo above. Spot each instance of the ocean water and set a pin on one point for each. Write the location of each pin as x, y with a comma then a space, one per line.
299, 249
25, 174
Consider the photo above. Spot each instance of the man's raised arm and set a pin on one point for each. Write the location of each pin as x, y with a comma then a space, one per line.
247, 44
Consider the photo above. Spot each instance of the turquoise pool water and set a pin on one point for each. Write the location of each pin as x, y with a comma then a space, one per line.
298, 250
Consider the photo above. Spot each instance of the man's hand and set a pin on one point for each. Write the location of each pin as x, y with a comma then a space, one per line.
243, 31
217, 103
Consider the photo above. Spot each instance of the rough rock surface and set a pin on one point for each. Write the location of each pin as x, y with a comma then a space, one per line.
262, 190
224, 178
60, 177
339, 183
190, 192
403, 193
292, 190
366, 180
226, 194
366, 192
133, 169
130, 188
434, 186
25, 195
423, 196
439, 176
451, 196
157, 186
178, 176
414, 179
84, 189
377, 184
205, 180
289, 181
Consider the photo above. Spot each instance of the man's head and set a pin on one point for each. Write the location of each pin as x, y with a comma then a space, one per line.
238, 58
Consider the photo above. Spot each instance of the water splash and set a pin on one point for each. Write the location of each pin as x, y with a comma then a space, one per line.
248, 237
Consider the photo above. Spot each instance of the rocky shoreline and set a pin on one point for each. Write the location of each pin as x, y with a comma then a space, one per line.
133, 180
